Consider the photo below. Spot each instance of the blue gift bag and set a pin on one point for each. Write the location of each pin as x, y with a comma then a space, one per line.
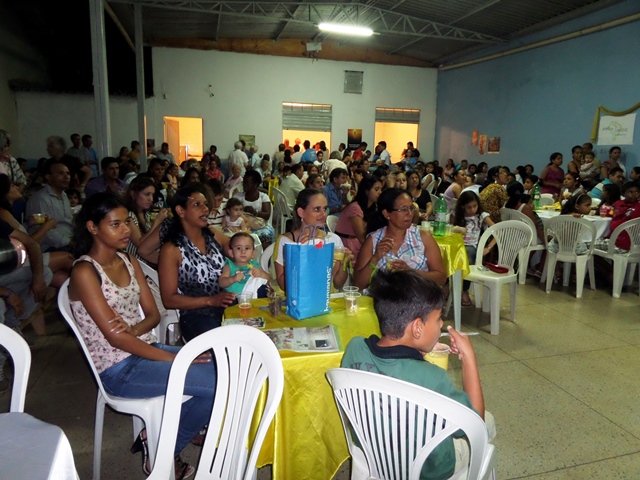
308, 277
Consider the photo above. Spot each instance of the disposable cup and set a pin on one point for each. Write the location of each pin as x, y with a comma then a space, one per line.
426, 226
244, 302
439, 355
338, 254
350, 288
351, 300
39, 218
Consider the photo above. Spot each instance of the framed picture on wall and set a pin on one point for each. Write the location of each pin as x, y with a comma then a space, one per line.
493, 145
354, 138
249, 140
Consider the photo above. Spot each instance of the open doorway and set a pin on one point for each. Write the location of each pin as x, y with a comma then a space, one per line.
293, 137
396, 135
184, 136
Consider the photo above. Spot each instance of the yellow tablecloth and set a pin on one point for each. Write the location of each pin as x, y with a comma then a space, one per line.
306, 439
454, 255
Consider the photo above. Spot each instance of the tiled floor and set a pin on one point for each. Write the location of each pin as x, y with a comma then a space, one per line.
562, 384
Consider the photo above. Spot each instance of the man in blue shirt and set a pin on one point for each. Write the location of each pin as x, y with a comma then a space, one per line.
309, 155
336, 199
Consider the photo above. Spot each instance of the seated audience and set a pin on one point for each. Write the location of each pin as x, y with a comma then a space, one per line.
106, 292
234, 219
310, 217
190, 264
552, 175
291, 183
336, 196
315, 182
452, 193
571, 186
396, 244
109, 181
589, 171
468, 215
624, 210
51, 200
80, 173
352, 224
616, 175
59, 263
8, 164
257, 204
610, 195
234, 181
240, 267
409, 310
139, 200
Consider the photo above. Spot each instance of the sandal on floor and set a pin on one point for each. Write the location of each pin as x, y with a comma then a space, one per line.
182, 469
141, 445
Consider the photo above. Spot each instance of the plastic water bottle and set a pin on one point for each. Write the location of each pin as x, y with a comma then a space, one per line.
536, 196
440, 224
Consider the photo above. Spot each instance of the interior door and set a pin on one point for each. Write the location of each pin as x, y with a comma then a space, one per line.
172, 135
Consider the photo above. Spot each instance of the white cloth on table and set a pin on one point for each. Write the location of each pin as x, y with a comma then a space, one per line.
31, 448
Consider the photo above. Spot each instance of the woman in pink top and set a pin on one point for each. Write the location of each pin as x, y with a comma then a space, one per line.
352, 224
552, 176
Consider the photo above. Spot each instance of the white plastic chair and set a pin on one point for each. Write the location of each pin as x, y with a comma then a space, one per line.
283, 212
246, 361
147, 412
332, 221
21, 429
621, 260
265, 260
21, 355
525, 253
167, 316
546, 199
567, 231
398, 424
511, 237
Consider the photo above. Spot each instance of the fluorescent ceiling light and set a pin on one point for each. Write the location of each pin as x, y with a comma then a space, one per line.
346, 29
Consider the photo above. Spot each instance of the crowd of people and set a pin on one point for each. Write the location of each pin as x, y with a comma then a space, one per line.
196, 223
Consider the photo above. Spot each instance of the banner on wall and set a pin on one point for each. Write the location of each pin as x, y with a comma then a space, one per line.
354, 138
616, 130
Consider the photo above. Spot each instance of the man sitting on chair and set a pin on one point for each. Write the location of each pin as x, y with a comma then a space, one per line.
409, 309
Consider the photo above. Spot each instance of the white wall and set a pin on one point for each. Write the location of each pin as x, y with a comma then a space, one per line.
44, 114
18, 60
249, 91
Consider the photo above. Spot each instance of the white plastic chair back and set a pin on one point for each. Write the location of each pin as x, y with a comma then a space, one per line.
167, 316
623, 260
632, 227
21, 356
332, 221
398, 424
511, 236
148, 410
567, 231
546, 199
523, 261
246, 361
265, 261
434, 200
283, 211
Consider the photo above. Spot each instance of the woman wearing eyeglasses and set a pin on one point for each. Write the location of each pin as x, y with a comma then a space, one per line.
396, 244
309, 227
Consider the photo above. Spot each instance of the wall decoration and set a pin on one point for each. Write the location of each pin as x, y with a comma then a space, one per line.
249, 140
494, 145
616, 130
483, 144
474, 137
354, 138
604, 110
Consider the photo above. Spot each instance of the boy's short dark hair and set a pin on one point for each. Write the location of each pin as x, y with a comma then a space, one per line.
627, 186
238, 235
336, 172
401, 296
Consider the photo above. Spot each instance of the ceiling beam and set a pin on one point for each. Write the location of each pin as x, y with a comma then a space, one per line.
382, 21
478, 9
331, 50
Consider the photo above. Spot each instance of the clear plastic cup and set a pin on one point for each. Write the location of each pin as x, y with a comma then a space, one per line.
351, 300
439, 355
244, 302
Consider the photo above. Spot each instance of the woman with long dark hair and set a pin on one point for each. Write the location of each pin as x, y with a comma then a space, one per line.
352, 223
190, 265
106, 291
